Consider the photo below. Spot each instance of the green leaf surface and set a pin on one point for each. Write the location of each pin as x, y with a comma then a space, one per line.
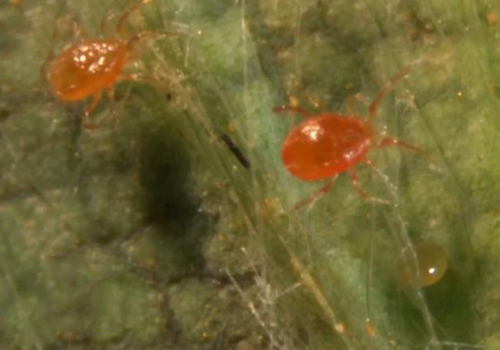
148, 233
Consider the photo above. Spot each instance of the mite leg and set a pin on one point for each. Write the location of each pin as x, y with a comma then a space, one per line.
144, 79
359, 187
105, 24
111, 96
313, 197
391, 142
136, 78
388, 142
146, 34
299, 110
372, 109
96, 97
90, 107
119, 27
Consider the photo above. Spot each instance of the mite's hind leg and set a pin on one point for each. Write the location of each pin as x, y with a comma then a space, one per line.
313, 197
113, 110
111, 97
120, 30
146, 34
391, 142
357, 185
136, 78
372, 109
95, 99
105, 24
90, 107
144, 79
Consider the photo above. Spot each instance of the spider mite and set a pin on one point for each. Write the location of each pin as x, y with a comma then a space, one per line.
327, 144
236, 151
92, 66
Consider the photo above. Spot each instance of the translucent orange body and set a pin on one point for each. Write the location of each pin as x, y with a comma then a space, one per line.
87, 68
92, 66
325, 145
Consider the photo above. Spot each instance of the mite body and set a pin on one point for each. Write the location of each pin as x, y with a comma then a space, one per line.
325, 145
87, 68
92, 66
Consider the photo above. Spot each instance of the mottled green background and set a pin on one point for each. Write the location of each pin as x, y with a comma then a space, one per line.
148, 234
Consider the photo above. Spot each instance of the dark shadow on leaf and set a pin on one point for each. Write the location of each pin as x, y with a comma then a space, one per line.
168, 204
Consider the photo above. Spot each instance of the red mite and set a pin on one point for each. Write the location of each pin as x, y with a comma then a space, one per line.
327, 144
92, 66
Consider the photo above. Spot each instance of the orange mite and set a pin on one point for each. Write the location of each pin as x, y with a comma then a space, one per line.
92, 66
87, 69
325, 145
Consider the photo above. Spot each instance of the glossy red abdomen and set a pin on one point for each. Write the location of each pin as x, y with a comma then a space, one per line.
87, 68
325, 145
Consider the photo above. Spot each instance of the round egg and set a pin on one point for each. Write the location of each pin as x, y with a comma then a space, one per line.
432, 262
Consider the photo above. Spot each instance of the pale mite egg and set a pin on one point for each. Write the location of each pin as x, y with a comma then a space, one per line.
432, 263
